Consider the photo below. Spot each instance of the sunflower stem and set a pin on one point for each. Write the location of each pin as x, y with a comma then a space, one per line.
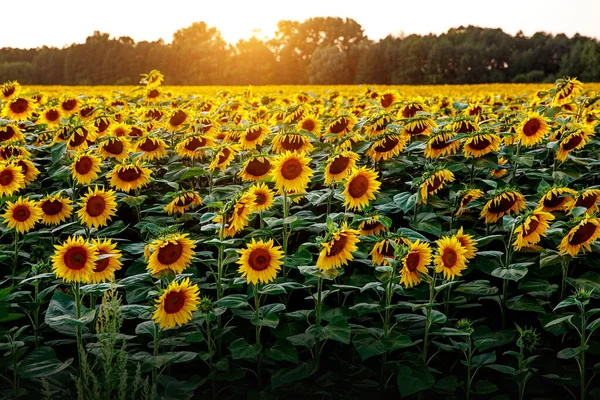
155, 352
472, 171
516, 164
257, 318
318, 316
77, 296
428, 318
469, 373
285, 230
16, 255
220, 274
565, 272
386, 324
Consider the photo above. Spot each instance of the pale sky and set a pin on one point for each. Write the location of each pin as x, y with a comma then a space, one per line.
33, 23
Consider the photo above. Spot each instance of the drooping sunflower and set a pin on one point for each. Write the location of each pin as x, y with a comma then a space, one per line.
129, 176
588, 199
411, 108
311, 124
383, 251
388, 98
177, 119
116, 147
421, 124
176, 304
371, 226
22, 215
481, 143
337, 248
339, 166
256, 168
467, 242
254, 135
581, 236
236, 216
556, 198
500, 172
575, 138
69, 104
263, 197
183, 202
469, 196
566, 90
434, 182
532, 228
291, 171
19, 108
504, 203
441, 144
97, 207
465, 124
55, 209
74, 260
86, 111
223, 156
293, 141
341, 125
28, 169
260, 261
11, 179
81, 137
108, 262
171, 252
194, 146
450, 258
10, 133
51, 116
360, 188
415, 263
387, 147
377, 124
8, 150
85, 168
9, 90
532, 130
152, 147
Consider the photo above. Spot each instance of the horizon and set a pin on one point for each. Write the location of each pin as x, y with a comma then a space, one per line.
132, 21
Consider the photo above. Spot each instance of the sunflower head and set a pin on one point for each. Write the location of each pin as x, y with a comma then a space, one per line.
97, 207
360, 188
339, 166
108, 260
129, 176
450, 258
503, 203
175, 305
442, 143
256, 168
291, 171
263, 197
415, 261
337, 248
170, 252
74, 260
55, 209
433, 182
22, 215
260, 261
581, 236
183, 202
480, 143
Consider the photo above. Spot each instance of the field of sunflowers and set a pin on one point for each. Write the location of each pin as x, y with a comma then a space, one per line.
294, 242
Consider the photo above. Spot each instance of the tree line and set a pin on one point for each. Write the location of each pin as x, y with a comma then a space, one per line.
316, 51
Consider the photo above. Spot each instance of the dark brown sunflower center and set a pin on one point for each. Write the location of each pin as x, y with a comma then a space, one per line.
95, 206
257, 167
412, 260
480, 144
10, 151
224, 156
587, 201
291, 169
260, 198
339, 126
135, 132
195, 143
554, 201
7, 133
475, 111
465, 127
86, 111
174, 301
152, 94
387, 250
503, 205
114, 146
358, 186
19, 106
439, 143
533, 224
185, 200
386, 145
253, 133
571, 142
465, 201
339, 165
101, 265
170, 253
21, 213
449, 258
531, 127
410, 110
154, 114
69, 105
9, 91
435, 184
130, 174
583, 234
75, 258
417, 129
259, 259
101, 124
338, 246
149, 145
292, 142
6, 177
178, 118
371, 226
308, 125
52, 207
52, 115
78, 138
387, 100
83, 165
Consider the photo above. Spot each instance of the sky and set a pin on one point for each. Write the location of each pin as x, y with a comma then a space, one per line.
34, 23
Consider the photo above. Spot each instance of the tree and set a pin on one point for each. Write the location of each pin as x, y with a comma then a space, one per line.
329, 66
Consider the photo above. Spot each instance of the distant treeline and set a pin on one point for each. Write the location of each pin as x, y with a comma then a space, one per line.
316, 51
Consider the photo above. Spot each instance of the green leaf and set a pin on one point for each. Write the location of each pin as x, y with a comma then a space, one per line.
233, 301
479, 287
569, 301
338, 329
427, 222
551, 257
447, 384
42, 362
283, 350
525, 303
240, 349
570, 352
411, 380
61, 314
514, 273
558, 321
368, 346
145, 328
283, 376
483, 359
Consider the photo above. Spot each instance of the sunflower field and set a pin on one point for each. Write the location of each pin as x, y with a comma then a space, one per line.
298, 242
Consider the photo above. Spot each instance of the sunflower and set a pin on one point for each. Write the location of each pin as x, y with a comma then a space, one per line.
9, 90
74, 260
114, 147
86, 112
556, 199
339, 166
254, 135
371, 226
10, 133
55, 209
51, 116
415, 263
175, 305
255, 168
341, 125
183, 202
388, 98
566, 90
69, 104
22, 215
501, 204
419, 125
532, 228
588, 199
291, 171
337, 248
81, 137
263, 197
411, 108
480, 144
360, 188
109, 260
580, 236
450, 258
177, 119
129, 176
532, 130
152, 148
118, 129
467, 242
434, 182
18, 108
85, 168
222, 157
387, 147
383, 251
574, 139
171, 252
8, 150
377, 124
441, 144
469, 196
236, 217
260, 261
11, 179
293, 142
500, 172
464, 124
194, 146
311, 124
97, 207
